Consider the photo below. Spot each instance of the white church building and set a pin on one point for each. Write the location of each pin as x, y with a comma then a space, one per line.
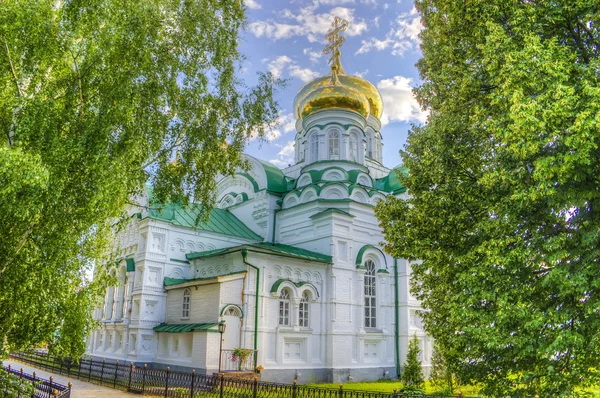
290, 259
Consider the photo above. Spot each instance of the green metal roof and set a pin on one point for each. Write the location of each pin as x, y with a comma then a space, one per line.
184, 328
220, 221
276, 181
175, 281
330, 211
267, 248
391, 183
130, 264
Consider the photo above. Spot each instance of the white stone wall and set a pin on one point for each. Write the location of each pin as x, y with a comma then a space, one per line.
204, 304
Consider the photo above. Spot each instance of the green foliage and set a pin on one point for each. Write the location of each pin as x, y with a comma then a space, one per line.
503, 207
412, 371
441, 375
96, 97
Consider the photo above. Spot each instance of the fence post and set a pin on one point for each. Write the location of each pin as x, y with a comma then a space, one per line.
79, 369
102, 371
395, 393
116, 369
294, 386
21, 373
255, 387
50, 386
69, 367
221, 389
130, 373
167, 381
90, 373
144, 379
192, 386
341, 392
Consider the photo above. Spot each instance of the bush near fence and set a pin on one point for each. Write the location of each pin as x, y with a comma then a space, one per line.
43, 388
165, 383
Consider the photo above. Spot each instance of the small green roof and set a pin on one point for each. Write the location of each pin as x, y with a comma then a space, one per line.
175, 281
391, 183
276, 181
184, 328
266, 248
130, 264
220, 221
331, 211
278, 283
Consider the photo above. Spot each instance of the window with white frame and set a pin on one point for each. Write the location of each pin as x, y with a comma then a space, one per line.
370, 145
303, 311
314, 147
334, 145
353, 148
370, 295
185, 304
284, 308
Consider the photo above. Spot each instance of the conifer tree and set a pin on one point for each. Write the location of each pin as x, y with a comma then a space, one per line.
412, 374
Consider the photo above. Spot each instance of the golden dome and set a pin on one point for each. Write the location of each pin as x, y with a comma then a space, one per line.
356, 83
334, 96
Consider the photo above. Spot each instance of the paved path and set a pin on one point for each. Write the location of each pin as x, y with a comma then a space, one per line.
80, 389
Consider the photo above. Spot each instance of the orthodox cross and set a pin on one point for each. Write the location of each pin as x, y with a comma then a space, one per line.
335, 40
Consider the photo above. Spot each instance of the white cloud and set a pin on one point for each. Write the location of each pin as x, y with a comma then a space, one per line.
277, 65
403, 36
313, 55
252, 4
399, 103
305, 22
285, 157
285, 123
363, 73
282, 63
303, 74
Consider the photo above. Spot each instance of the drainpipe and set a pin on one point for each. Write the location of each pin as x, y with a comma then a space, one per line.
244, 255
396, 345
274, 226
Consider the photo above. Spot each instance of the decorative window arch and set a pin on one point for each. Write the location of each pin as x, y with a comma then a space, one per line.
314, 147
370, 295
334, 144
186, 304
284, 308
303, 311
232, 310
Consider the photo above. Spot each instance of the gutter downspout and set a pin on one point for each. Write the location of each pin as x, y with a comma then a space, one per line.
274, 225
396, 316
244, 255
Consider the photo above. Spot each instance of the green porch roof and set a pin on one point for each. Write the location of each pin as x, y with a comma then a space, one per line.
220, 221
188, 327
267, 248
174, 281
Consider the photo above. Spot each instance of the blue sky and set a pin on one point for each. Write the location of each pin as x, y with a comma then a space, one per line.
382, 45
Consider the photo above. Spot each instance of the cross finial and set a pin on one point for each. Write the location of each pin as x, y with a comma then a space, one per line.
335, 41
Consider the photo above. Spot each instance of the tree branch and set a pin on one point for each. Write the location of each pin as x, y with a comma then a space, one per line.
12, 69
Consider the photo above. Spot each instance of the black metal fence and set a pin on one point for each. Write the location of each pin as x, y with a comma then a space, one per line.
165, 383
43, 388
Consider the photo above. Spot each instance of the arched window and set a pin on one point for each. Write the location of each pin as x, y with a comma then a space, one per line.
303, 311
370, 145
370, 295
334, 145
185, 304
353, 148
284, 308
314, 147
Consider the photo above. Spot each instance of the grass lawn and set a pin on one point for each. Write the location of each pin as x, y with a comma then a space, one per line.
390, 385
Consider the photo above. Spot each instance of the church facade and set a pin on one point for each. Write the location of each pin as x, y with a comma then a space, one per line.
291, 261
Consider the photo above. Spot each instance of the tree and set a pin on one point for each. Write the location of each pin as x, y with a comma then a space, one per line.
441, 375
503, 192
412, 373
96, 98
